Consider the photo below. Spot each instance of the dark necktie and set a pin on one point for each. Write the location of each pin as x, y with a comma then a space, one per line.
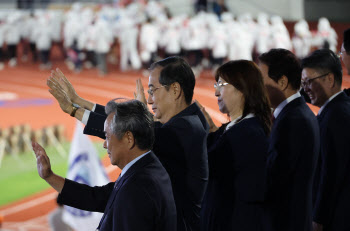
111, 198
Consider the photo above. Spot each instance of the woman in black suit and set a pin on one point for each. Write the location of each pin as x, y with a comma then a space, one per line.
237, 151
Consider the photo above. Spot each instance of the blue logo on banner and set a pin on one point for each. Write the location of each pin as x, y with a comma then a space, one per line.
82, 176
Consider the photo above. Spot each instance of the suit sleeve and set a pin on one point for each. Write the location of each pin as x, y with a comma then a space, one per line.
194, 142
95, 124
84, 197
217, 153
334, 168
135, 209
100, 109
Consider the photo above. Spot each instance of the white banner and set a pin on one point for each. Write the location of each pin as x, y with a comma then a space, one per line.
84, 167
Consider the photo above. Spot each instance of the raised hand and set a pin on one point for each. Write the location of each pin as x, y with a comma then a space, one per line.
212, 126
58, 92
140, 93
59, 78
42, 161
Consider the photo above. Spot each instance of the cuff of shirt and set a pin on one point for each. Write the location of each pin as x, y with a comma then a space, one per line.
94, 107
86, 116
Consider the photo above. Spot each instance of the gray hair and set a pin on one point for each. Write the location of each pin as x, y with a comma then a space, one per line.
132, 116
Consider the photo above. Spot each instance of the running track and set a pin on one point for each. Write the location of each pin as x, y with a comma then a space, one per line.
35, 105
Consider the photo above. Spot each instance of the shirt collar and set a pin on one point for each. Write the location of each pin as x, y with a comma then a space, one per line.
233, 122
280, 107
327, 101
131, 163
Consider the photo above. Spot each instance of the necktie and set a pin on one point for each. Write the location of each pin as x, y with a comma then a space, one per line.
112, 195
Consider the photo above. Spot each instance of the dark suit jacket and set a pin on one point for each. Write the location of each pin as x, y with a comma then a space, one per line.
293, 152
180, 144
141, 200
235, 193
332, 207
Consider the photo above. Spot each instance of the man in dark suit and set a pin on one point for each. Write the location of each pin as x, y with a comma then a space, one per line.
322, 80
180, 132
294, 144
141, 198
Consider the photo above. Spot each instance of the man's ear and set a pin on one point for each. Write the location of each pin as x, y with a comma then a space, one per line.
283, 82
130, 139
330, 80
175, 89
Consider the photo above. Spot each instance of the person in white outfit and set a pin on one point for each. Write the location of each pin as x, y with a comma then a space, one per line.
218, 43
263, 36
171, 39
128, 43
326, 36
280, 36
149, 36
43, 35
12, 37
301, 39
103, 41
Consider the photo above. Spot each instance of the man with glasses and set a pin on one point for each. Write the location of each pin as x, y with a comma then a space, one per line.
322, 80
180, 132
294, 144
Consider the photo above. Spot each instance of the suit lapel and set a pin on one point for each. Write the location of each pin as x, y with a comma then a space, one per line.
294, 103
341, 97
122, 179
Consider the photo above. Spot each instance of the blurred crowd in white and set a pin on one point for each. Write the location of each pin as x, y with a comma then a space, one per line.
139, 34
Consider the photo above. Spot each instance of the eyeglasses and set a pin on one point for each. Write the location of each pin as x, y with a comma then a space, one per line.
308, 81
151, 91
219, 85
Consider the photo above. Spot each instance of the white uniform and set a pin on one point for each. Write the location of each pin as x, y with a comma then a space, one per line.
43, 33
325, 34
102, 42
171, 39
263, 36
149, 37
279, 33
302, 39
128, 38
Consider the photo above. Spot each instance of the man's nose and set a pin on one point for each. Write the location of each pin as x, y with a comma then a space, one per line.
149, 99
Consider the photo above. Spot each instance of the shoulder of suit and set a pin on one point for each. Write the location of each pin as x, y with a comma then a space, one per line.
188, 122
143, 183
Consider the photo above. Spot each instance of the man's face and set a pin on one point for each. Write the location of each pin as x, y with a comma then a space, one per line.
116, 148
276, 95
317, 88
346, 58
161, 100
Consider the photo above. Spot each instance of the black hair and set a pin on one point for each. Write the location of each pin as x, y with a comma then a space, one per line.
324, 60
132, 116
282, 62
176, 69
246, 77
